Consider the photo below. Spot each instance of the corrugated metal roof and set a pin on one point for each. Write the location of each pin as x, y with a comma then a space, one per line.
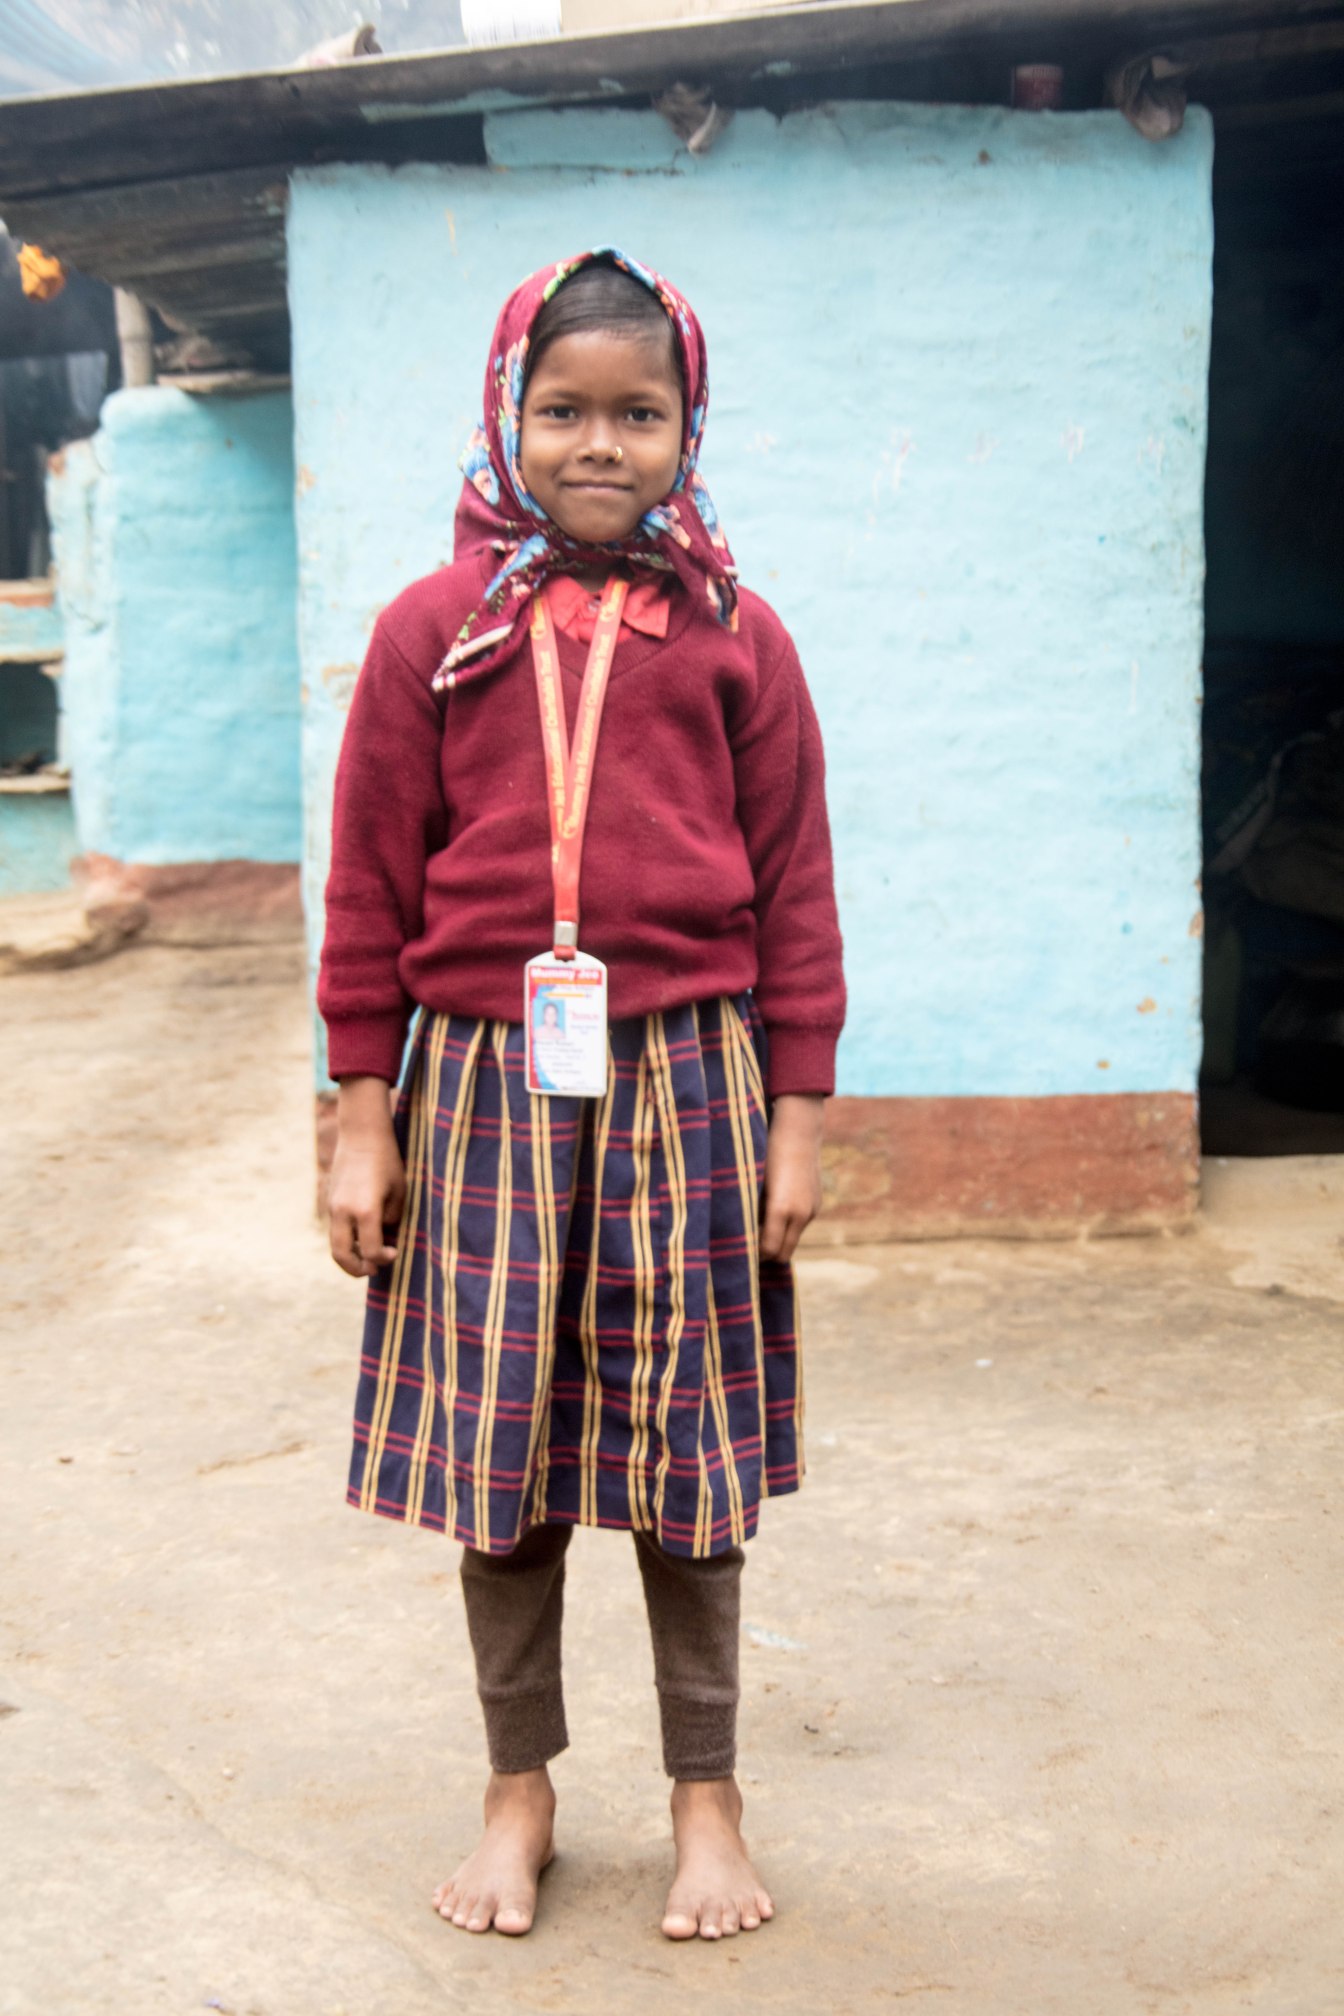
177, 190
37, 54
57, 45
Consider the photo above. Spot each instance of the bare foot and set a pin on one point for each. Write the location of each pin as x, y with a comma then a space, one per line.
497, 1885
716, 1892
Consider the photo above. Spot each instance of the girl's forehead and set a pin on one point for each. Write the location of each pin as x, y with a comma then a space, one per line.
604, 357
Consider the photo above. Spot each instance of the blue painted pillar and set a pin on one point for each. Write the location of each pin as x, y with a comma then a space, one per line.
174, 541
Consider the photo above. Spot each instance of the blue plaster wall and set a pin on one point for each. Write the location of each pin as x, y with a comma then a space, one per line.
957, 435
29, 630
175, 550
37, 833
37, 839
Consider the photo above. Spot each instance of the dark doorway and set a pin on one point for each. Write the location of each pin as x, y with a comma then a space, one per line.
1273, 1075
57, 360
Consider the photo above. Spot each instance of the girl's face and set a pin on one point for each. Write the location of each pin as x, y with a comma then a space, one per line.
600, 442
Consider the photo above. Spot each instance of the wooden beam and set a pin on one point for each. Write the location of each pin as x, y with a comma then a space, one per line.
1322, 105
1265, 47
212, 264
256, 196
206, 311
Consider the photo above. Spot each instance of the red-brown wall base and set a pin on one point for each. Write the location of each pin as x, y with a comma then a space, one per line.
992, 1168
1009, 1168
227, 900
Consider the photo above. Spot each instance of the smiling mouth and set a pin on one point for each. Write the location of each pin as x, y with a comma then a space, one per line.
602, 489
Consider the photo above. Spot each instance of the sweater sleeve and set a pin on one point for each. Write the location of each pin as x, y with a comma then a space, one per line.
388, 818
781, 808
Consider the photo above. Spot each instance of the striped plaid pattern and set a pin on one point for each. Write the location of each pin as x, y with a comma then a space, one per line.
578, 1326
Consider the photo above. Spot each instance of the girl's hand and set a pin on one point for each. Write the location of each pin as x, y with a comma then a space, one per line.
792, 1173
368, 1178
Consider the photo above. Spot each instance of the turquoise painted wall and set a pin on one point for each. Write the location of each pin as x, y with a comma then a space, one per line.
957, 434
37, 832
174, 541
37, 829
29, 630
37, 839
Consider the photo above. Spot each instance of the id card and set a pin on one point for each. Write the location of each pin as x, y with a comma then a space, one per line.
565, 1015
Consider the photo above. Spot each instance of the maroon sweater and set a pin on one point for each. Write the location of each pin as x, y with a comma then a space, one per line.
706, 862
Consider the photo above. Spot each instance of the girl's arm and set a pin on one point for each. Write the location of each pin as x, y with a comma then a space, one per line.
388, 818
792, 1172
368, 1179
800, 990
780, 775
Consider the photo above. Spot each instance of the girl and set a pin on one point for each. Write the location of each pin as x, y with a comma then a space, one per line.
581, 1309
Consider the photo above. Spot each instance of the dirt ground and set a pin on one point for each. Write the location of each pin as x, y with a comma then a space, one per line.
1042, 1708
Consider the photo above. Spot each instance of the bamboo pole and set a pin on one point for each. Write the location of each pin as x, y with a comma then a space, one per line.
136, 336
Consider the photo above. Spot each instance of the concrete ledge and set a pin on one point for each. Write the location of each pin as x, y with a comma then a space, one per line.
50, 929
1010, 1168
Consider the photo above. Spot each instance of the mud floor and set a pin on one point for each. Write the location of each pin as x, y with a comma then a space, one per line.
1042, 1669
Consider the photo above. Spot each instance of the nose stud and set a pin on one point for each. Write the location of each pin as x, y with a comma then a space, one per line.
618, 454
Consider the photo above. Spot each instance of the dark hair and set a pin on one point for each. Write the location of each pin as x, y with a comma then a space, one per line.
600, 296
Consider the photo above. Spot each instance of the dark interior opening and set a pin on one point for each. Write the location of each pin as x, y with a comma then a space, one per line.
1273, 801
28, 721
58, 359
44, 403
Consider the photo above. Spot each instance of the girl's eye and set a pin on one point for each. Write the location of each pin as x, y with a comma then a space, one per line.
642, 415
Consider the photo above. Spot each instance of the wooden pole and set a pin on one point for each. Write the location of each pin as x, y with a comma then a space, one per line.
136, 335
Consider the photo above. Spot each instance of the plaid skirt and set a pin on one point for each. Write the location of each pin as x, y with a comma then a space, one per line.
578, 1326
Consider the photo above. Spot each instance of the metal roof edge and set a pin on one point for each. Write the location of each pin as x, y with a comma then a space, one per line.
819, 33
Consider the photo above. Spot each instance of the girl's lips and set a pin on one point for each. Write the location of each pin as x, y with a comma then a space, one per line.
602, 489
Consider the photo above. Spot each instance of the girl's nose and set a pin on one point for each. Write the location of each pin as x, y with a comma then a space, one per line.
600, 443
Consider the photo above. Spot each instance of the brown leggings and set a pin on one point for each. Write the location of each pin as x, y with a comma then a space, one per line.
515, 1603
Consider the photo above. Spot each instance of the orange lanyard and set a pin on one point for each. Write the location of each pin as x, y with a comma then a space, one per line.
569, 769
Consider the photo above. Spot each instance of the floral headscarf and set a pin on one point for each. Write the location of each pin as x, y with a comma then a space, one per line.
498, 514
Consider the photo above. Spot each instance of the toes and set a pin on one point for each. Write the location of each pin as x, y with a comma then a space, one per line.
754, 1909
731, 1921
680, 1923
711, 1921
514, 1917
474, 1911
